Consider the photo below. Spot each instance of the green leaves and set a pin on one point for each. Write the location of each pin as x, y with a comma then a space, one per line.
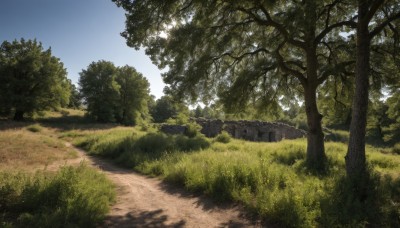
114, 94
31, 79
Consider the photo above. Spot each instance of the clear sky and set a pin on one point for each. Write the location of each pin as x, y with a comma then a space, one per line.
78, 32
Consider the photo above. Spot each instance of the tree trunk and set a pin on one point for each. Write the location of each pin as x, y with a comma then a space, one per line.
316, 158
19, 115
355, 158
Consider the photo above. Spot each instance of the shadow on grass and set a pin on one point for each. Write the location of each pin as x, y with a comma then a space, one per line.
62, 123
68, 122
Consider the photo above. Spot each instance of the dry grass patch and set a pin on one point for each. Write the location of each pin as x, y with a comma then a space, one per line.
21, 149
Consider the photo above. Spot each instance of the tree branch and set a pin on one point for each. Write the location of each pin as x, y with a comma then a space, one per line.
328, 29
274, 24
284, 67
373, 8
381, 26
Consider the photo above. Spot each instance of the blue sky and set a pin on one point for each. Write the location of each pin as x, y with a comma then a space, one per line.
78, 32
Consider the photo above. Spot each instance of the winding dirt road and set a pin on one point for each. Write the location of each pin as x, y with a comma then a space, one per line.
148, 202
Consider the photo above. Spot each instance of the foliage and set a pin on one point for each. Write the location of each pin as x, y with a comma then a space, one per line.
99, 90
75, 101
31, 79
192, 129
224, 137
393, 127
167, 109
251, 55
74, 197
132, 150
114, 94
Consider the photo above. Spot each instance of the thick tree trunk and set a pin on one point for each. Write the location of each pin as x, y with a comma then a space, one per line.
316, 158
355, 158
19, 115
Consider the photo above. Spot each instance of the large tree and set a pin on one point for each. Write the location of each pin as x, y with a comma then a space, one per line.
114, 94
245, 51
31, 79
373, 18
134, 94
99, 90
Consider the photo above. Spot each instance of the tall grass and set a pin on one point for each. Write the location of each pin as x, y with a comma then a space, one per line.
270, 179
73, 197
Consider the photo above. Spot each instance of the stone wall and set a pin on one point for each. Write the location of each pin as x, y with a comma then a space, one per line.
173, 129
242, 129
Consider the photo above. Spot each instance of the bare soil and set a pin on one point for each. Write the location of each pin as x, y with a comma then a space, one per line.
149, 202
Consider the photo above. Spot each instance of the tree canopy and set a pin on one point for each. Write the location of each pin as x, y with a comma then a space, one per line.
114, 94
31, 79
246, 52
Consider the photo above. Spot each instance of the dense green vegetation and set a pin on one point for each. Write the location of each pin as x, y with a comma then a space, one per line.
73, 197
31, 79
270, 179
114, 94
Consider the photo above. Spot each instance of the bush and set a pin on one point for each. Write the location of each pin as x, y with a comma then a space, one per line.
34, 128
192, 130
74, 197
154, 143
224, 137
184, 143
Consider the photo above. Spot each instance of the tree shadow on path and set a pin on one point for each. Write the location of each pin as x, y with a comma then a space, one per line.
154, 218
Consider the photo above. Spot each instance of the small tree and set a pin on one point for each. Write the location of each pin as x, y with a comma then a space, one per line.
31, 79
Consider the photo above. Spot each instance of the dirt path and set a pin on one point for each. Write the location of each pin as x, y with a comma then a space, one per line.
148, 202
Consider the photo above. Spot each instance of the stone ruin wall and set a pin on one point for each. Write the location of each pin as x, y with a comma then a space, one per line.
242, 129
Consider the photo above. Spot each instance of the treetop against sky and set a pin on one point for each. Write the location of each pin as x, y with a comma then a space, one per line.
78, 32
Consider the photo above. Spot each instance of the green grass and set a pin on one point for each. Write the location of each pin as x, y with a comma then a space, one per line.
73, 197
270, 179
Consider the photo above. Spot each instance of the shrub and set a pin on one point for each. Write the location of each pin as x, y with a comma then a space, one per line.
154, 143
184, 143
74, 197
224, 137
192, 130
34, 128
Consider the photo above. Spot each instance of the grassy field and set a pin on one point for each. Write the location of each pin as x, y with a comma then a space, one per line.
270, 179
31, 195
